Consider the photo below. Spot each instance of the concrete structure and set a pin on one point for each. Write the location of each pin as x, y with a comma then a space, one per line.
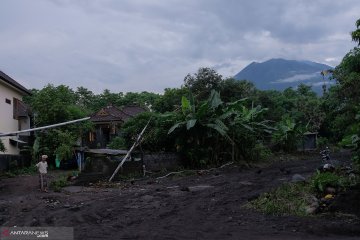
309, 142
15, 115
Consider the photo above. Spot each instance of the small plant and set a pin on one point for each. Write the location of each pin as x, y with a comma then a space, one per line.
20, 171
261, 152
322, 142
117, 143
25, 171
322, 180
59, 183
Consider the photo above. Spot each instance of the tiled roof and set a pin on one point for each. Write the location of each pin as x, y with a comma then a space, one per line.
13, 83
133, 110
112, 113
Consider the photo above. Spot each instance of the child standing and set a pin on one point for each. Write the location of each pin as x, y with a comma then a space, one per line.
42, 168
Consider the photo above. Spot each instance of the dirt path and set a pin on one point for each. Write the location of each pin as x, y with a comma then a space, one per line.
207, 206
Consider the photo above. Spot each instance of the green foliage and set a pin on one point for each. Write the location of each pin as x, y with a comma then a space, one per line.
286, 136
347, 74
155, 137
144, 99
59, 183
170, 100
260, 152
54, 105
203, 82
352, 140
293, 198
26, 170
212, 131
322, 142
232, 90
322, 180
356, 148
288, 199
117, 143
21, 171
65, 142
2, 147
355, 35
343, 120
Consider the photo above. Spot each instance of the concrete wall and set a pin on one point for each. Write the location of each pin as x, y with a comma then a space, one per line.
11, 162
103, 166
7, 122
161, 161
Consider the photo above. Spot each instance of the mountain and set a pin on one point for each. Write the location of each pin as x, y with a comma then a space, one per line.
279, 74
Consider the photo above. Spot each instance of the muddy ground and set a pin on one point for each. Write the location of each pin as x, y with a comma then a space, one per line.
209, 205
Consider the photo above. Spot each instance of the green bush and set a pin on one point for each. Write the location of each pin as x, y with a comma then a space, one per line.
2, 147
321, 180
20, 171
117, 143
261, 152
27, 170
322, 142
59, 183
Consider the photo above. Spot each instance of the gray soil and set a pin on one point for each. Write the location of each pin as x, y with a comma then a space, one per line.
207, 205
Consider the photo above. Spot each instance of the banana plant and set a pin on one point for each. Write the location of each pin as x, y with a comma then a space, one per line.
207, 116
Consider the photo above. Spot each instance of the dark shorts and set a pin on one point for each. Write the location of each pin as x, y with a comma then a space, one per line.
44, 179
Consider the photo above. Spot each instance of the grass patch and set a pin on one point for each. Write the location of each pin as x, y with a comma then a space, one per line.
21, 171
294, 198
288, 199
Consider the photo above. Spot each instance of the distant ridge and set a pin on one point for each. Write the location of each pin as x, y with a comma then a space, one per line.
279, 74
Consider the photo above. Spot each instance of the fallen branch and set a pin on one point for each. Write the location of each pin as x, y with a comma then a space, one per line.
171, 173
205, 170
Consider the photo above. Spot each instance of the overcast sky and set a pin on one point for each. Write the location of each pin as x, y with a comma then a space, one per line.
149, 45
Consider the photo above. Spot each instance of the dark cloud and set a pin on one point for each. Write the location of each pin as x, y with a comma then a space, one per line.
139, 45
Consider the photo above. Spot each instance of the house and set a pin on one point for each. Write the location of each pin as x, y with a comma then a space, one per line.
108, 122
15, 115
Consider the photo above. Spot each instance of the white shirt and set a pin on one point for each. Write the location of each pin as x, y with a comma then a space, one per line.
42, 166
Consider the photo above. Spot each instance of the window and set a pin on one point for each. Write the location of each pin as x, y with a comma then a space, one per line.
15, 108
8, 101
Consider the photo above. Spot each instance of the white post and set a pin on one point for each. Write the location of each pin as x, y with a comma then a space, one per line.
129, 152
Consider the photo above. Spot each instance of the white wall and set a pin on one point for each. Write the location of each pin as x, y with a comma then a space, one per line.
7, 122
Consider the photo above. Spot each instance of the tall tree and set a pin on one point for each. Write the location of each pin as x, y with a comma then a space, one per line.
203, 82
170, 100
232, 89
54, 105
355, 35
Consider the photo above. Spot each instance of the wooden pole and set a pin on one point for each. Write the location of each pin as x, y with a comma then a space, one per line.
129, 152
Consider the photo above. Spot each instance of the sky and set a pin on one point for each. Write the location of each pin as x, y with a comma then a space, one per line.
150, 45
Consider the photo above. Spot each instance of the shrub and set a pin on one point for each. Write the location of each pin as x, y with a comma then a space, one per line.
322, 142
59, 183
321, 180
117, 143
288, 199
